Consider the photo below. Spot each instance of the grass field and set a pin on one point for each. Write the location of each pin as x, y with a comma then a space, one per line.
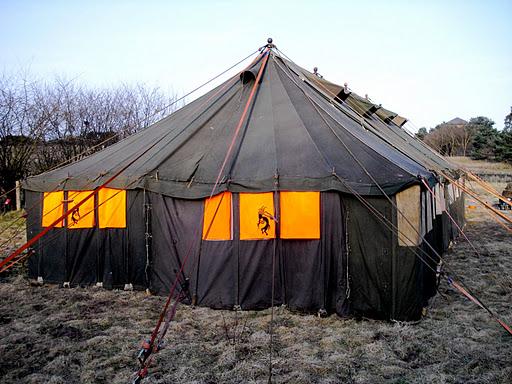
480, 165
88, 335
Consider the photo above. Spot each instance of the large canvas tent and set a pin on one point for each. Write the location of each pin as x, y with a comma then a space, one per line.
318, 206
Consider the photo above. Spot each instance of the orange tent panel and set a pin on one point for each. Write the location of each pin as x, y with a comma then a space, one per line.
257, 216
53, 208
217, 217
83, 216
111, 208
300, 215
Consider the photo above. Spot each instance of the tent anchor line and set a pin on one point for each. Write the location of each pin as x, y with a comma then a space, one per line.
32, 206
115, 136
478, 302
450, 279
17, 256
475, 196
488, 188
464, 291
21, 229
436, 197
490, 211
179, 289
454, 283
151, 346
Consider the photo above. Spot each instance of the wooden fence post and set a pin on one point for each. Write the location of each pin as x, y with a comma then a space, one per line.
18, 195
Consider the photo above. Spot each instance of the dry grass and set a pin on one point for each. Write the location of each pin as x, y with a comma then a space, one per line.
478, 166
12, 231
54, 335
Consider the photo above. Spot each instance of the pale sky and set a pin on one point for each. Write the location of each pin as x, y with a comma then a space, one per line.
429, 61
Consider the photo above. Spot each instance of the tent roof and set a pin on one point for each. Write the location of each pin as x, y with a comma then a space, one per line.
293, 139
381, 122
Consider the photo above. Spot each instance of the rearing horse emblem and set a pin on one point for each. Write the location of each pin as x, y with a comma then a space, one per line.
263, 220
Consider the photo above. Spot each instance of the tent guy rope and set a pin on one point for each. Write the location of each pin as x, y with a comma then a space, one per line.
477, 198
404, 216
121, 133
32, 241
152, 347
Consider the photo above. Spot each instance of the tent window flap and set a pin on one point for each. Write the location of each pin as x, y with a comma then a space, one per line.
53, 208
111, 208
300, 215
83, 216
217, 217
408, 204
257, 216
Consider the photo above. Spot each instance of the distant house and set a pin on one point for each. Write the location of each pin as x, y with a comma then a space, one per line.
456, 121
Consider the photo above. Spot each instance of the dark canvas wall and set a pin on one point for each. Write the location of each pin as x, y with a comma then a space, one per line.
387, 280
86, 256
369, 274
370, 255
308, 274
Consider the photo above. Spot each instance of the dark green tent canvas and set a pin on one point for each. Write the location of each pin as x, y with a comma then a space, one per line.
295, 138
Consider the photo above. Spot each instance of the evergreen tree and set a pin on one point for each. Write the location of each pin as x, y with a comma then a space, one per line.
422, 132
504, 142
485, 140
508, 120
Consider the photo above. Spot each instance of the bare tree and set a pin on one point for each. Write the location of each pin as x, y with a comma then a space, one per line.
45, 123
20, 129
451, 140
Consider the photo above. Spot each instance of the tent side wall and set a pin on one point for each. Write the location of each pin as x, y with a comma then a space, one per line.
309, 274
370, 254
385, 280
389, 280
85, 256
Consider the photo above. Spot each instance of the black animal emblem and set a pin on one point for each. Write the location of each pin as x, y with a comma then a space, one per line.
263, 220
75, 215
263, 223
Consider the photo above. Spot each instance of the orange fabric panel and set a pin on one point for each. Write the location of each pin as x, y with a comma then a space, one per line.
257, 216
53, 208
111, 208
300, 215
217, 217
83, 217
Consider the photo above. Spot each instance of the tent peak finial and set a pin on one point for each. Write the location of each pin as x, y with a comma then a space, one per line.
269, 43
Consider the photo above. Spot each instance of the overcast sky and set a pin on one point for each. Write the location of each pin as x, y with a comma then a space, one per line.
427, 60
